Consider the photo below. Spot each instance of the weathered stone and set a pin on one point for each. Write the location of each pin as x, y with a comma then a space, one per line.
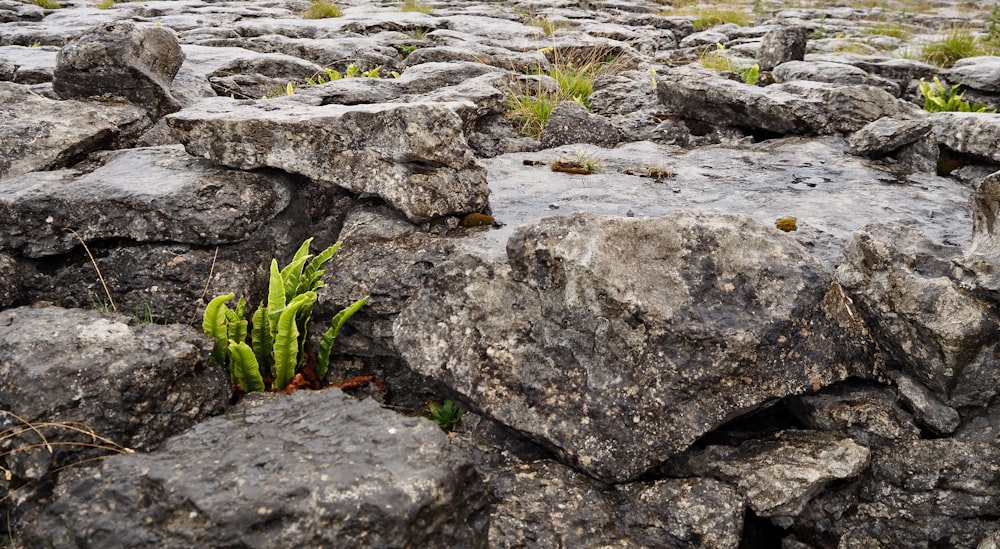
797, 107
686, 512
7, 69
867, 414
928, 410
917, 493
973, 133
885, 135
981, 73
42, 134
158, 194
626, 368
981, 426
781, 45
978, 270
121, 59
546, 504
412, 156
570, 123
923, 321
10, 281
779, 475
833, 73
132, 384
34, 65
308, 470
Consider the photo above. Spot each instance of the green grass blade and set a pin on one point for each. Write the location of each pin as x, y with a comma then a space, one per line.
245, 368
326, 343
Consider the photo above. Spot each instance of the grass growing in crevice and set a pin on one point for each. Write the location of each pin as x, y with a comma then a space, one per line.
957, 44
414, 6
322, 9
574, 73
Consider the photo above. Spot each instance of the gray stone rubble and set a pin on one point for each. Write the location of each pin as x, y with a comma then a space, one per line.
647, 360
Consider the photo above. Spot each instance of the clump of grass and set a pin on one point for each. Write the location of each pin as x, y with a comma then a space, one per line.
574, 74
530, 109
710, 17
718, 61
414, 6
48, 4
957, 44
548, 26
322, 9
582, 164
893, 30
105, 4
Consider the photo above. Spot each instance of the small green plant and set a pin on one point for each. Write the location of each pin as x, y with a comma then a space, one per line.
894, 30
277, 331
405, 49
938, 98
750, 74
446, 414
548, 26
530, 109
35, 44
321, 9
48, 4
710, 17
105, 4
957, 44
414, 6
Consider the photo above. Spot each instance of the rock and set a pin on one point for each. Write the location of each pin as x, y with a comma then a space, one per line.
545, 504
968, 133
33, 65
570, 123
928, 410
10, 281
833, 73
310, 469
797, 107
413, 156
991, 541
779, 475
7, 69
886, 135
918, 493
158, 194
981, 73
867, 414
42, 134
924, 322
132, 384
121, 59
618, 382
781, 45
686, 512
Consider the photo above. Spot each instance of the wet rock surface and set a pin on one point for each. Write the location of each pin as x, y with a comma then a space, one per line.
714, 384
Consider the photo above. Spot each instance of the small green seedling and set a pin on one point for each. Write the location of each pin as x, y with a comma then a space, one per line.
446, 414
938, 98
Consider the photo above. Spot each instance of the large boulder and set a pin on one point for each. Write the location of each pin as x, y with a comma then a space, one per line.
157, 194
617, 342
43, 134
926, 323
834, 73
797, 107
313, 469
90, 383
981, 73
971, 133
121, 59
781, 45
413, 156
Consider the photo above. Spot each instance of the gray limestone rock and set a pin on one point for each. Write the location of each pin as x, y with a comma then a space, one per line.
10, 281
42, 134
981, 73
833, 73
928, 409
798, 107
916, 493
781, 45
412, 156
972, 133
570, 123
158, 194
780, 474
78, 374
886, 135
121, 59
616, 341
313, 469
7, 69
546, 504
926, 324
867, 414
